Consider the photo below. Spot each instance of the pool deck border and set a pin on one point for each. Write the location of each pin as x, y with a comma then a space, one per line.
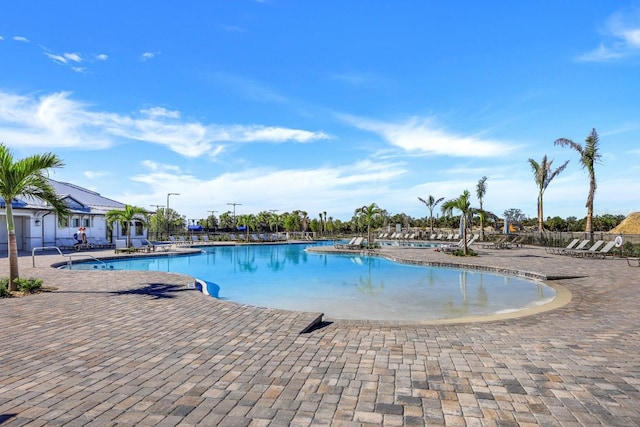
121, 348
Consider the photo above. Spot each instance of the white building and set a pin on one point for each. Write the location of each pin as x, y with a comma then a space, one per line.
37, 225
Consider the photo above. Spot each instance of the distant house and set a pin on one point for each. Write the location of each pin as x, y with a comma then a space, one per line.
37, 225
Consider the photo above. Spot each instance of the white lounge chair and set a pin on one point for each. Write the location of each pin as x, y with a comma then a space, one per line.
586, 252
555, 250
602, 253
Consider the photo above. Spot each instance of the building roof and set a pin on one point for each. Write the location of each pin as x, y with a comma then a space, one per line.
77, 198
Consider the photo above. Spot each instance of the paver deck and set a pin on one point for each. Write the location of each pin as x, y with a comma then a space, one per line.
141, 348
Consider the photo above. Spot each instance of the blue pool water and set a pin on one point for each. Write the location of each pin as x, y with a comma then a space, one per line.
344, 286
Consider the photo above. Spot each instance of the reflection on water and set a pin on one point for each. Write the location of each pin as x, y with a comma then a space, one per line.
345, 286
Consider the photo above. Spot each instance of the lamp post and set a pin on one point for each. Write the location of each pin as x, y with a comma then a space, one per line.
157, 208
169, 194
234, 212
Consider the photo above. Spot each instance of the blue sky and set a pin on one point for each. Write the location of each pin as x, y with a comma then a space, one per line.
325, 105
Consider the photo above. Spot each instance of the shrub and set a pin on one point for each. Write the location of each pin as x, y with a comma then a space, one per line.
4, 287
29, 285
628, 249
460, 252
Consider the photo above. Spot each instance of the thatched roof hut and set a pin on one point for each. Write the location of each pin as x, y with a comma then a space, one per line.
630, 225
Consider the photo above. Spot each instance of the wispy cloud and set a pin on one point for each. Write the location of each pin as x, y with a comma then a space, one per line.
622, 37
21, 39
347, 185
148, 55
56, 120
425, 136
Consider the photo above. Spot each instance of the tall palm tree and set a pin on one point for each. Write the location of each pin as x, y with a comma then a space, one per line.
589, 156
543, 176
481, 190
431, 203
127, 218
368, 214
26, 177
463, 204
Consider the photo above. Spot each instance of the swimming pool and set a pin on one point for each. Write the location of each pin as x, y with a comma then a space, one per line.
344, 286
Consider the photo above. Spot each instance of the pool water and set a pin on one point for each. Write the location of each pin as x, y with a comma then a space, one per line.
344, 286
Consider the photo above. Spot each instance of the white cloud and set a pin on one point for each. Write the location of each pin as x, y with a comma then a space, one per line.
95, 174
148, 55
426, 137
101, 57
343, 188
1, 38
55, 120
73, 57
21, 39
622, 35
57, 58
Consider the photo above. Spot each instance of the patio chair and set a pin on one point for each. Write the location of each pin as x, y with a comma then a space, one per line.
517, 242
497, 244
139, 246
633, 262
580, 247
357, 243
604, 252
553, 249
586, 252
345, 245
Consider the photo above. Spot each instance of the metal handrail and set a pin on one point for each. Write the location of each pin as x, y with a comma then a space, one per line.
70, 256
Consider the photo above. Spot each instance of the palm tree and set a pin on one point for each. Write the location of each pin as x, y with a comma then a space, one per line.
481, 190
589, 156
543, 176
368, 214
462, 204
431, 203
26, 177
127, 218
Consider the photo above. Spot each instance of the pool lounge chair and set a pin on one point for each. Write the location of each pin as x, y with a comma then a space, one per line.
633, 262
586, 252
602, 253
139, 246
554, 250
345, 245
357, 243
498, 244
579, 247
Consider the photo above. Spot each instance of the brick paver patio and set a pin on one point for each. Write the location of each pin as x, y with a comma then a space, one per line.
140, 348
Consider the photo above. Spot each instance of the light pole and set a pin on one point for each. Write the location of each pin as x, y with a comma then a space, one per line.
234, 212
157, 217
169, 194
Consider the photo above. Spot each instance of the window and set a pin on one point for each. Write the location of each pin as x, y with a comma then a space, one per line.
86, 222
75, 222
64, 223
139, 229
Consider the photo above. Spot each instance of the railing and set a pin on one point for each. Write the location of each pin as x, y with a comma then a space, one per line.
70, 256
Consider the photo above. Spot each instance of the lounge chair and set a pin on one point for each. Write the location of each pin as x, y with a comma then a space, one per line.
586, 252
554, 250
633, 262
177, 242
498, 244
195, 239
345, 245
579, 247
460, 245
357, 243
604, 252
139, 246
517, 242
